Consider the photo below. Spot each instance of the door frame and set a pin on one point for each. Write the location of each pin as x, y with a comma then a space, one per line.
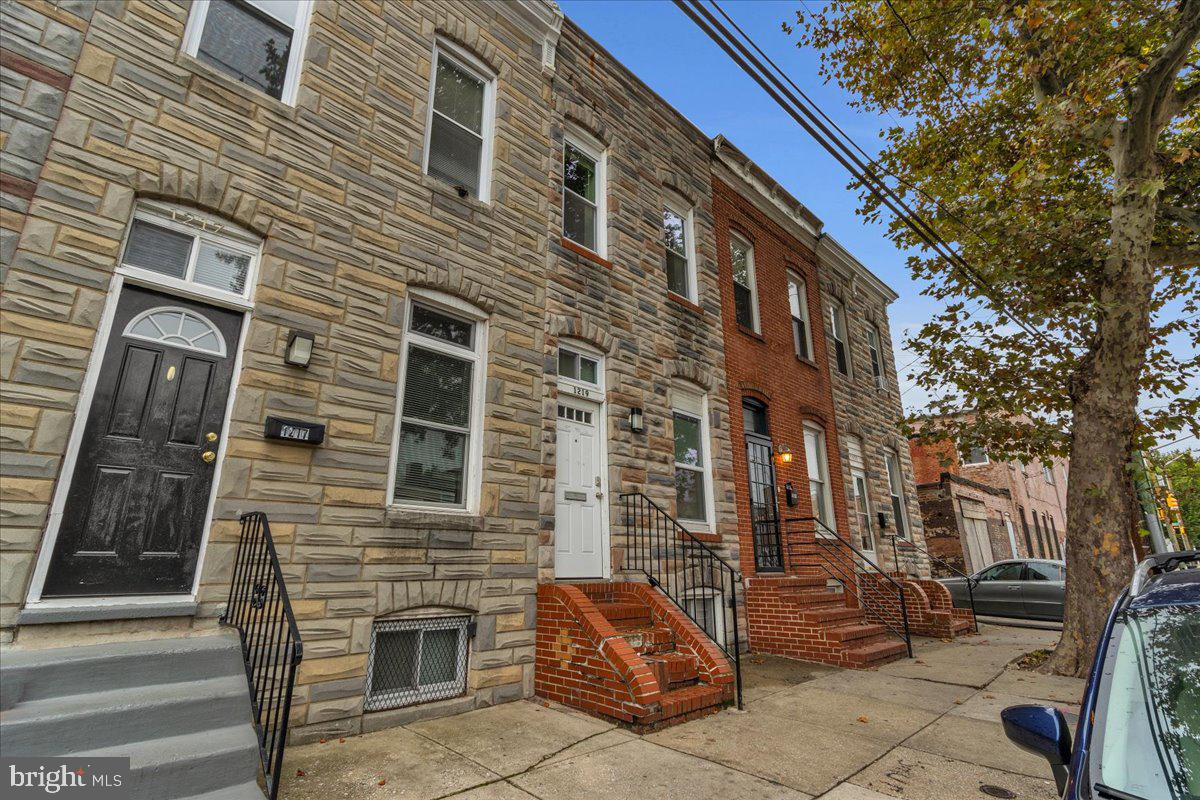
144, 279
595, 396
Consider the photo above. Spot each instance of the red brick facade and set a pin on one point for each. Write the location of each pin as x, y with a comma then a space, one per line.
764, 365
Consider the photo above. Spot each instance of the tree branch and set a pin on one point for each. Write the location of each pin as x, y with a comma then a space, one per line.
1188, 217
1188, 95
1181, 256
1156, 87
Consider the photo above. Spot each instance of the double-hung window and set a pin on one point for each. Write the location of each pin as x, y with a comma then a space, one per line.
692, 471
841, 345
798, 305
458, 143
583, 195
256, 42
679, 261
876, 355
973, 455
896, 490
745, 290
818, 475
440, 409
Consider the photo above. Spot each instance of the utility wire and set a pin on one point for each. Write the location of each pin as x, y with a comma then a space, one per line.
803, 113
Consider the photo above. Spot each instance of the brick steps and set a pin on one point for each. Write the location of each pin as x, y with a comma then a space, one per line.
876, 654
857, 631
625, 652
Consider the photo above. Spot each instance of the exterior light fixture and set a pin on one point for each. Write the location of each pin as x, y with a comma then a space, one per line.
637, 423
299, 348
784, 454
883, 521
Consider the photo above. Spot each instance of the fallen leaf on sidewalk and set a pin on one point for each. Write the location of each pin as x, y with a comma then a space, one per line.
864, 719
959, 702
989, 697
383, 782
342, 740
300, 773
322, 741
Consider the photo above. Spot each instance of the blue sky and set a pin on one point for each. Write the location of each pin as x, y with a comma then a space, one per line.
675, 58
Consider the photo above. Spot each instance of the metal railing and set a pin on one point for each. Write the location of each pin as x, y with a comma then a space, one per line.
687, 571
967, 578
846, 564
259, 609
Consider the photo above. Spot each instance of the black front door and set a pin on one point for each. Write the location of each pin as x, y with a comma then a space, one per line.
138, 497
764, 509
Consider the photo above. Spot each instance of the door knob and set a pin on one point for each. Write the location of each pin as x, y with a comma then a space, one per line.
211, 436
208, 456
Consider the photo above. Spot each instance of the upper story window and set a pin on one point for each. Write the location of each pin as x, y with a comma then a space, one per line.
745, 289
459, 134
896, 490
440, 407
818, 475
583, 195
798, 305
693, 472
876, 355
973, 456
680, 261
256, 42
841, 344
190, 252
1048, 474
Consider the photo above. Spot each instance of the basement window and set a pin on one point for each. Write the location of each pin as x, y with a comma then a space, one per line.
416, 661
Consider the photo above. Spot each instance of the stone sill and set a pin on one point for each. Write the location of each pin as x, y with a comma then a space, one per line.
47, 614
583, 252
401, 517
683, 302
251, 94
449, 192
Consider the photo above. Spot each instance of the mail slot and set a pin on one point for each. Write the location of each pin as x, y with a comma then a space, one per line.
575, 496
294, 430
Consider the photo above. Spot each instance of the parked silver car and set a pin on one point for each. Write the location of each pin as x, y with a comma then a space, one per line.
1030, 588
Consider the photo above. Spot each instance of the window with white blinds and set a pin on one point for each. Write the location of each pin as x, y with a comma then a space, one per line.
818, 475
440, 414
458, 143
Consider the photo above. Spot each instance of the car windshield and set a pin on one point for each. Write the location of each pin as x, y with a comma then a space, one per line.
1148, 711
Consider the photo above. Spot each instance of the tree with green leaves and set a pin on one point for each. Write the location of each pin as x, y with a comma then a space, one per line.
1182, 468
1056, 144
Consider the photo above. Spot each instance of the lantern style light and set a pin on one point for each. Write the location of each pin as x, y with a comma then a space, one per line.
299, 349
637, 423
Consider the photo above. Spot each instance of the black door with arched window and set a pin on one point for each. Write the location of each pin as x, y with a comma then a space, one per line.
764, 508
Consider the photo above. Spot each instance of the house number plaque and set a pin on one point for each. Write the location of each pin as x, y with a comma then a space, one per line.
294, 430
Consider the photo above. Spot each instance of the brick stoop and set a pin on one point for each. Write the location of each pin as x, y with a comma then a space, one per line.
624, 652
947, 621
797, 616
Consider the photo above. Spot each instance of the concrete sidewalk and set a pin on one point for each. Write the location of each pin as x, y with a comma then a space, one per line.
922, 729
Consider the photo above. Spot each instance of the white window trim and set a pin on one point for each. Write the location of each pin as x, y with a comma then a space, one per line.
478, 356
837, 313
1048, 474
875, 351
1012, 534
291, 80
695, 405
421, 693
966, 454
598, 153
468, 63
822, 460
689, 246
794, 279
895, 480
717, 596
750, 276
573, 387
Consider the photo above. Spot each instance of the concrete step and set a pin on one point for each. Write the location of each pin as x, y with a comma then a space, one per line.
30, 675
243, 791
79, 722
198, 763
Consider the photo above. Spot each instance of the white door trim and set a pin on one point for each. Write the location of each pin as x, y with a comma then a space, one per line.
599, 409
67, 469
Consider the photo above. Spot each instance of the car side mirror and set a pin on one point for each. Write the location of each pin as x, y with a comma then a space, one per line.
1041, 730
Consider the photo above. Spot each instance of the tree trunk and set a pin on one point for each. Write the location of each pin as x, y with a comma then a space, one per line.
1104, 395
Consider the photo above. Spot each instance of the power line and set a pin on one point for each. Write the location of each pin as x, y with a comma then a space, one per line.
803, 113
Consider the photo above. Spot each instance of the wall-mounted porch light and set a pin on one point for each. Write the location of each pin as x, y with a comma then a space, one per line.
636, 422
299, 348
784, 454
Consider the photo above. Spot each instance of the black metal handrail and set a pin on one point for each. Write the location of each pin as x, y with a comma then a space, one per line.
680, 565
834, 561
271, 648
969, 580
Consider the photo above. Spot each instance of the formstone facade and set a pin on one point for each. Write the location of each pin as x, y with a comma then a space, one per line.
333, 186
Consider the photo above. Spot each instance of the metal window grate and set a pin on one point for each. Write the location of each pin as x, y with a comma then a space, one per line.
416, 661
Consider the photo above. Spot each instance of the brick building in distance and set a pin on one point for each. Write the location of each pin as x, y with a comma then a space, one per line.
978, 511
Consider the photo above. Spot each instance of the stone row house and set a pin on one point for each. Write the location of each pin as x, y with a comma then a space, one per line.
472, 315
978, 510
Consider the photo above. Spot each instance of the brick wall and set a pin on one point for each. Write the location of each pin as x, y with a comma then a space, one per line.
764, 365
334, 187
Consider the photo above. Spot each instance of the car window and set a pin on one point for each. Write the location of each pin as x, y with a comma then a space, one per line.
1002, 572
1044, 572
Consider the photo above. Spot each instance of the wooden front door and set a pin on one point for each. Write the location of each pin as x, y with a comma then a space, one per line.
135, 510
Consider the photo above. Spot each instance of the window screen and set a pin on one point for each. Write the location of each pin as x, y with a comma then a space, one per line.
416, 661
579, 196
675, 240
456, 126
248, 44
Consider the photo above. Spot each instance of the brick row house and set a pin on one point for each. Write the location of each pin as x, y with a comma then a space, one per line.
530, 376
979, 510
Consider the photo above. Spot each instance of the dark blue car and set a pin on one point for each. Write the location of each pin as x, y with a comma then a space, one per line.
1138, 736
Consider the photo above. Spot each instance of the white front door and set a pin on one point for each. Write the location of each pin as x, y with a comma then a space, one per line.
862, 513
580, 536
